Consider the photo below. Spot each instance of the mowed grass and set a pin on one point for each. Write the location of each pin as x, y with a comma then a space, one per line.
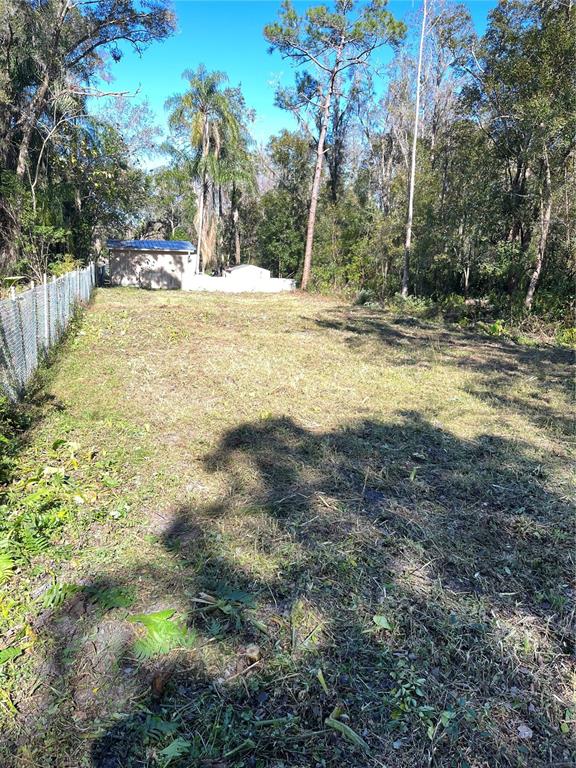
361, 521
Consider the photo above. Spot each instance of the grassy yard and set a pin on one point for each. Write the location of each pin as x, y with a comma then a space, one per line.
279, 531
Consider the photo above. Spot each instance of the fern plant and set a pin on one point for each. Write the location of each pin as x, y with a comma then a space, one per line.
112, 597
6, 564
58, 593
35, 505
177, 748
160, 634
32, 535
157, 728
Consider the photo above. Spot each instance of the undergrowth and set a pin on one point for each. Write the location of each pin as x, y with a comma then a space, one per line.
490, 316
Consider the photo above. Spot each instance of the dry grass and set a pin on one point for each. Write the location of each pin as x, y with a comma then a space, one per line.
309, 466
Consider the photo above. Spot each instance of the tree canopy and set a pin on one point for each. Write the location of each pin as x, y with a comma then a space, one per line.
489, 154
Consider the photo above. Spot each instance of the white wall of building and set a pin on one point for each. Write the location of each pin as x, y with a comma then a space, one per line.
175, 270
247, 284
151, 269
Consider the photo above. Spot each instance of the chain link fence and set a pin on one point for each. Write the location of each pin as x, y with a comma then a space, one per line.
33, 321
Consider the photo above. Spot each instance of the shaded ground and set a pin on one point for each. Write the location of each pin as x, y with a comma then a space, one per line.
365, 519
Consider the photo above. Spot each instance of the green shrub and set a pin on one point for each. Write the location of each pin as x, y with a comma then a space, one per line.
453, 301
566, 337
497, 328
12, 421
364, 296
411, 305
65, 263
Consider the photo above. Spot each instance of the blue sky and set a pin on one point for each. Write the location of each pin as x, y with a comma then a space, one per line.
227, 35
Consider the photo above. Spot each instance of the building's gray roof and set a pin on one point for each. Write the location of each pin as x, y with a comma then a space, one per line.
151, 245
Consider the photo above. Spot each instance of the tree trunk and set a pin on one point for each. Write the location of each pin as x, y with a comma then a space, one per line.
408, 241
202, 205
545, 216
38, 100
235, 217
386, 173
203, 191
466, 280
385, 276
37, 103
316, 182
34, 111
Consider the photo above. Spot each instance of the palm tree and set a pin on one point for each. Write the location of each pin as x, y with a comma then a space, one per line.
205, 116
236, 169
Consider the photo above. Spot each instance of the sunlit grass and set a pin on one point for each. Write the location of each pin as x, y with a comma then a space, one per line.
279, 470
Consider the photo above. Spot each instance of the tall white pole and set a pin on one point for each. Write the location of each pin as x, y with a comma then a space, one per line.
408, 241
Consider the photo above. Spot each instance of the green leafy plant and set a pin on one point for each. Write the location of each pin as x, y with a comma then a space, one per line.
6, 562
37, 504
58, 593
497, 328
566, 337
406, 697
363, 297
161, 634
382, 622
568, 721
156, 728
112, 597
7, 654
232, 604
348, 732
175, 749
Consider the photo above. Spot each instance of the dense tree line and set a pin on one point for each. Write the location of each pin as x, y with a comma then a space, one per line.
489, 149
494, 179
63, 171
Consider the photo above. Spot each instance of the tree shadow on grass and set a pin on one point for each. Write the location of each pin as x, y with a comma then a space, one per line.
461, 548
497, 363
499, 354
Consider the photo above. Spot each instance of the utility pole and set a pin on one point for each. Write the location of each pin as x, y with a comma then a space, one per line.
408, 241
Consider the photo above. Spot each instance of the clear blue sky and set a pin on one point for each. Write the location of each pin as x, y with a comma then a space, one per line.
227, 35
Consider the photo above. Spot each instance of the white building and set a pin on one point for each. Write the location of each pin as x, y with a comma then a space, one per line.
174, 264
152, 263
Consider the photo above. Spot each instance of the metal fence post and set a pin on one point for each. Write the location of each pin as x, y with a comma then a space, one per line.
20, 369
15, 316
56, 310
46, 313
34, 363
